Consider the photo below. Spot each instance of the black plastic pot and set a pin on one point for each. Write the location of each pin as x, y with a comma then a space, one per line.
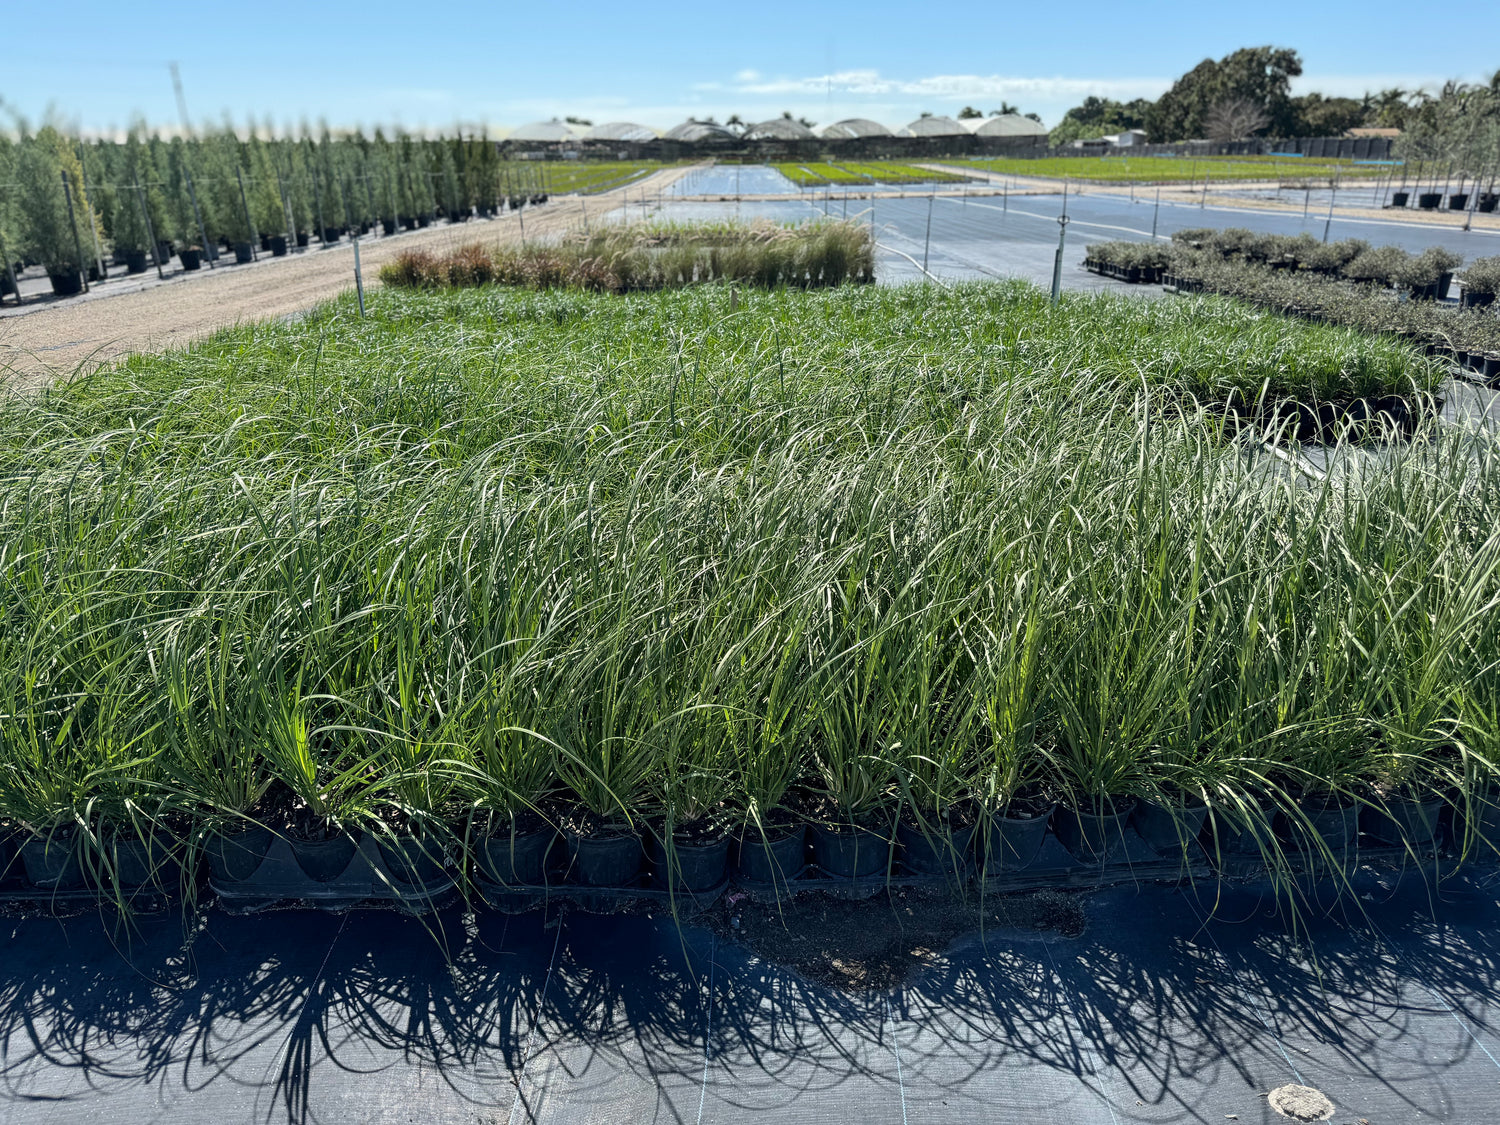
775, 859
416, 861
851, 852
51, 863
1487, 201
607, 861
66, 284
1334, 825
1491, 370
1458, 201
139, 863
302, 239
135, 261
243, 252
190, 260
1473, 300
1168, 828
692, 866
278, 246
330, 235
424, 221
389, 226
265, 242
1401, 821
517, 859
324, 860
234, 857
10, 856
936, 851
1093, 837
1430, 200
1014, 842
1400, 198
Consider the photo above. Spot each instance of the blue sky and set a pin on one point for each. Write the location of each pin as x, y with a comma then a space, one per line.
431, 65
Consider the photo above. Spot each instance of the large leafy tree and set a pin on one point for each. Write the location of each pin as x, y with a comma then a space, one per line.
1098, 116
1260, 76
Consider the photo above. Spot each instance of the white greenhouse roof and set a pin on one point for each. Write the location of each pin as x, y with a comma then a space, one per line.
855, 127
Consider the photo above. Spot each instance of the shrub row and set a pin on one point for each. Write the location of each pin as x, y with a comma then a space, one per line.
627, 259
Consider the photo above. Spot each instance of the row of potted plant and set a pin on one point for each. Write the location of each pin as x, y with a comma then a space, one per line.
530, 852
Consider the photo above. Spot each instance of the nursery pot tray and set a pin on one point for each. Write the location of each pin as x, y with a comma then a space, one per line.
278, 879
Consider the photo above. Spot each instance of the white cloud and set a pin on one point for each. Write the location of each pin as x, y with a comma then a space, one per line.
747, 76
871, 83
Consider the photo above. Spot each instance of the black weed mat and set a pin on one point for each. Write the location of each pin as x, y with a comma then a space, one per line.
1121, 1006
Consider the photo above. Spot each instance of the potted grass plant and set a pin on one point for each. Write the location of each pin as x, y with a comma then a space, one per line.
850, 751
1013, 804
325, 772
508, 779
690, 844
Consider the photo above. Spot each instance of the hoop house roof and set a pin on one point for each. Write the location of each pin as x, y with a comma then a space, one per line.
542, 131
620, 131
934, 127
1010, 125
699, 131
780, 129
855, 127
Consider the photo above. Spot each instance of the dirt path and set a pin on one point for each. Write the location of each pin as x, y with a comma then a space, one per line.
44, 341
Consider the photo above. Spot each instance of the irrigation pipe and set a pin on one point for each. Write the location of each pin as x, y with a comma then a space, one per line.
1296, 461
914, 262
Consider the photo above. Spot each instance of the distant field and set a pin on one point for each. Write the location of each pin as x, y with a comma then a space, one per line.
560, 178
818, 173
1178, 169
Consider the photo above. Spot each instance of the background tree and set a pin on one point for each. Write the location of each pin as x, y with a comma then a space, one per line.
1098, 116
1234, 119
1259, 75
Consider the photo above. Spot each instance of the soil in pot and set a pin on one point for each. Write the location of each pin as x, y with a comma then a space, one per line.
604, 854
234, 856
939, 847
1171, 826
852, 851
1016, 834
1096, 833
698, 859
516, 855
1397, 819
51, 862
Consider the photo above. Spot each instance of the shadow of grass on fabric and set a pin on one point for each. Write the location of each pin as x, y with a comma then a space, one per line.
289, 1013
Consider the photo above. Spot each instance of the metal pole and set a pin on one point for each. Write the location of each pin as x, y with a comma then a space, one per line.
359, 281
927, 243
197, 214
140, 197
1306, 201
318, 200
249, 222
1156, 212
1333, 192
1062, 234
73, 222
89, 203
